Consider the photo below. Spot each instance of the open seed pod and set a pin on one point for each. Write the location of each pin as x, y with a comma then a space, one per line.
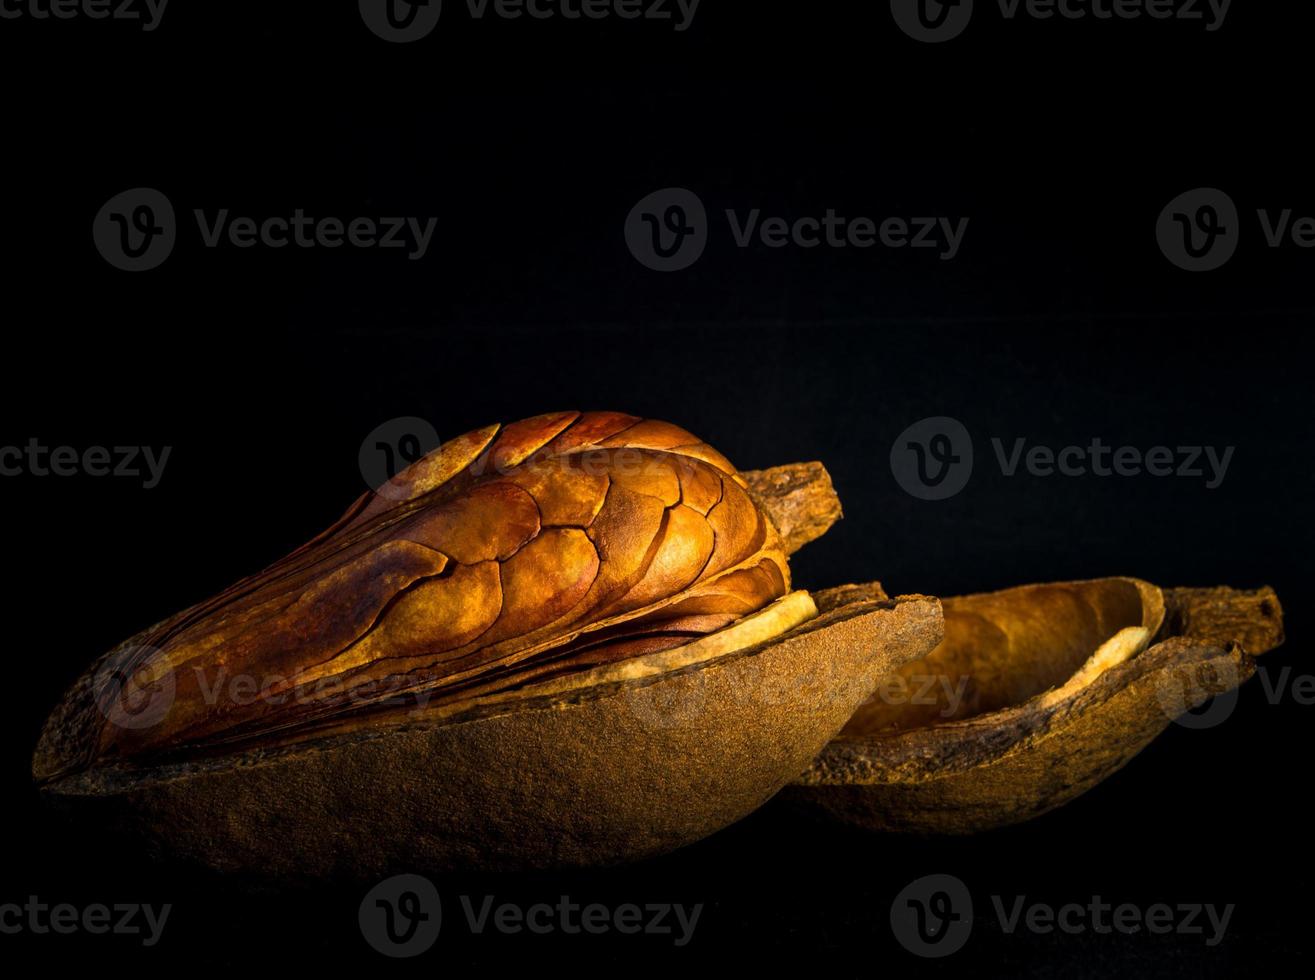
567, 641
1035, 695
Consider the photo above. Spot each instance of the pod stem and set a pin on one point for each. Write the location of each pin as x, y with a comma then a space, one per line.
1251, 617
799, 500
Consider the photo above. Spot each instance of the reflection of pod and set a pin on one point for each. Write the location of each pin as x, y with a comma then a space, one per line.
571, 640
1035, 695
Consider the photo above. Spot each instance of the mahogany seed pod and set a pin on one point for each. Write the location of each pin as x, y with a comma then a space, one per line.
570, 640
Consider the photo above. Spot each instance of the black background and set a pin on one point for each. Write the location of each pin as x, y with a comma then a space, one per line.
1058, 321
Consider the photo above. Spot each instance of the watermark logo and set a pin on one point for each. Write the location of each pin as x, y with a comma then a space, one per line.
668, 230
144, 463
1187, 700
932, 459
135, 230
932, 916
401, 917
932, 21
147, 13
410, 20
123, 919
677, 704
940, 691
1281, 684
128, 694
1206, 921
1198, 230
391, 447
401, 21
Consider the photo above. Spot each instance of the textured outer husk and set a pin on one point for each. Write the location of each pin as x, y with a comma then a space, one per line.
607, 774
1013, 764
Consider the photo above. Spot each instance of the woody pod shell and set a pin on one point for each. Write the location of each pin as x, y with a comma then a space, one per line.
1058, 686
588, 724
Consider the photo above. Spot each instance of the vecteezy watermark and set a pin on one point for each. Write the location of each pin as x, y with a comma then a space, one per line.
401, 20
391, 447
933, 21
1199, 230
410, 20
1200, 696
939, 691
136, 687
1281, 684
933, 917
402, 917
127, 462
122, 919
130, 691
933, 459
1190, 702
668, 230
1204, 920
144, 12
1097, 459
136, 230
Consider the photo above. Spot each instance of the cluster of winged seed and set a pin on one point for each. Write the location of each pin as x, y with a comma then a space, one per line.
511, 553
